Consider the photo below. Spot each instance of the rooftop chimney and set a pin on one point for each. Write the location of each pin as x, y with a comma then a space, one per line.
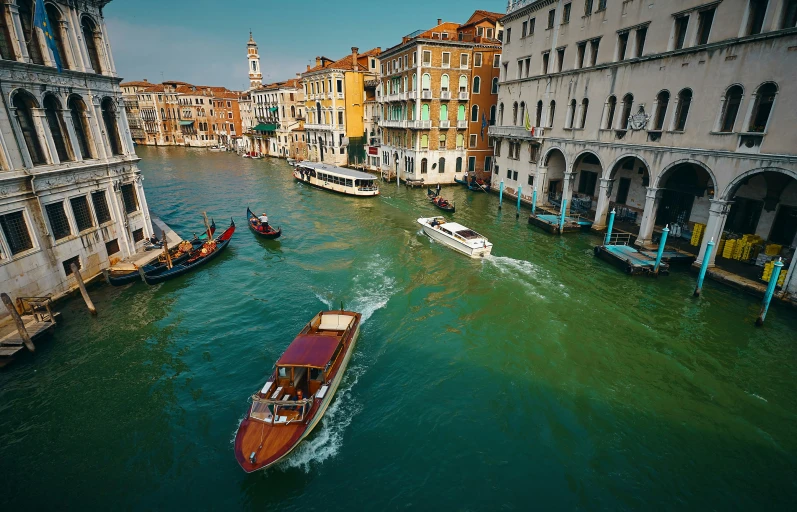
146, 80
308, 67
354, 51
318, 61
439, 21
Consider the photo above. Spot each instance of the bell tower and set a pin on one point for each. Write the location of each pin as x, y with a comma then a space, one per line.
255, 77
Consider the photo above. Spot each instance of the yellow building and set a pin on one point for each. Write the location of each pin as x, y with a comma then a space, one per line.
335, 95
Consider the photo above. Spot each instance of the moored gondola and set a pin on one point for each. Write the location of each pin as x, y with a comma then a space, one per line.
262, 231
438, 201
198, 257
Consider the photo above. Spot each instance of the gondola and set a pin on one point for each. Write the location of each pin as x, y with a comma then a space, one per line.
433, 198
257, 227
125, 273
208, 251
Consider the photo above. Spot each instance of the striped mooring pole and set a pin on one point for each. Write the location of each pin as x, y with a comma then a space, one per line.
611, 226
704, 268
664, 233
773, 281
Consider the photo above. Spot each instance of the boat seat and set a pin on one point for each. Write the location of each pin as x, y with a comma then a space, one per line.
286, 397
267, 387
276, 393
334, 322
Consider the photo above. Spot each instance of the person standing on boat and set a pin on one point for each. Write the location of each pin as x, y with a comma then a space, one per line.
438, 189
263, 220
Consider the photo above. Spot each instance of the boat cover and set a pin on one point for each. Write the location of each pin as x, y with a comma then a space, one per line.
311, 350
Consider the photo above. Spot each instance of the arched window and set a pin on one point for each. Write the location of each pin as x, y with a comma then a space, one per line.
55, 121
538, 115
443, 112
425, 112
441, 165
111, 128
414, 81
24, 104
477, 84
90, 36
459, 164
551, 114
463, 83
30, 37
762, 108
514, 114
611, 106
426, 82
293, 111
494, 89
501, 114
442, 141
460, 141
584, 108
522, 117
571, 115
492, 115
662, 102
55, 18
474, 113
733, 98
682, 112
628, 103
424, 141
81, 125
444, 83
423, 166
461, 112
318, 112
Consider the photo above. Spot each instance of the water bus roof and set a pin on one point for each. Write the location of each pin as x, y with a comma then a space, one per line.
333, 169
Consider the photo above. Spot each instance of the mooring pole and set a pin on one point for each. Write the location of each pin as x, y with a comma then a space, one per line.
664, 233
500, 194
773, 281
23, 333
562, 216
83, 292
611, 225
703, 268
519, 190
207, 227
166, 251
534, 201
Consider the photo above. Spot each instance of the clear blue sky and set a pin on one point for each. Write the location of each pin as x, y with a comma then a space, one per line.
204, 41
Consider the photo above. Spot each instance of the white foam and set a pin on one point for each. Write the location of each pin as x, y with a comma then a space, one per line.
373, 289
528, 275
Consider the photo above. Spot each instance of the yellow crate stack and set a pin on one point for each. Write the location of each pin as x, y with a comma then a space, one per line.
727, 251
697, 234
773, 249
768, 273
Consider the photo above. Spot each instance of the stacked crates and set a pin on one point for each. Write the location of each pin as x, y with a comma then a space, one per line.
768, 273
697, 234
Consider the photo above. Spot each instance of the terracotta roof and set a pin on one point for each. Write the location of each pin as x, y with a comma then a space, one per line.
347, 62
136, 83
480, 15
154, 88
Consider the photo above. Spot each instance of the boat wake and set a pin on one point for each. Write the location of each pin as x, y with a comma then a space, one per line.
531, 277
325, 442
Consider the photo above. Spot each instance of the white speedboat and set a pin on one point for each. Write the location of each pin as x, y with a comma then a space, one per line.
456, 236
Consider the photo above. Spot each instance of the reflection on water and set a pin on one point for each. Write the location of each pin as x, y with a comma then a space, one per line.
537, 376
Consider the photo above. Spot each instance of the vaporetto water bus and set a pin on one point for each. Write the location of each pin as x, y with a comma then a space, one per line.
456, 236
337, 179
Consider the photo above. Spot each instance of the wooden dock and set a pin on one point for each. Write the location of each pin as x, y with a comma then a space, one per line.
550, 223
640, 261
37, 319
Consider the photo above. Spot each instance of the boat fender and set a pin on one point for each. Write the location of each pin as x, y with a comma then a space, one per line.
252, 458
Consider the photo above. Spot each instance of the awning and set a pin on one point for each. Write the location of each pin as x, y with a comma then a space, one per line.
309, 350
186, 123
273, 109
263, 127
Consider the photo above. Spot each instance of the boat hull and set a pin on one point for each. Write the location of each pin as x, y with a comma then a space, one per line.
456, 245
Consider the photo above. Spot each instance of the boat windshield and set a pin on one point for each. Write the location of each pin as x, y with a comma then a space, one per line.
279, 411
468, 234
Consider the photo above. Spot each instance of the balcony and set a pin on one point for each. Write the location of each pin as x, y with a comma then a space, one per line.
445, 123
516, 132
317, 127
340, 95
426, 95
393, 97
412, 95
463, 96
462, 124
419, 125
393, 124
445, 95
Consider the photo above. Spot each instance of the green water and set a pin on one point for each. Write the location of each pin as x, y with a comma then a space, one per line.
541, 378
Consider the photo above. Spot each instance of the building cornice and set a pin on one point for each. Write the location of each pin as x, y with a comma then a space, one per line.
38, 74
527, 9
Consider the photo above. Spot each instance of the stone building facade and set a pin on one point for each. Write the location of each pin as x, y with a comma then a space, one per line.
70, 189
675, 113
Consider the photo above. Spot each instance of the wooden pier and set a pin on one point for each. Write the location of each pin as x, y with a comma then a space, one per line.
37, 319
633, 261
550, 223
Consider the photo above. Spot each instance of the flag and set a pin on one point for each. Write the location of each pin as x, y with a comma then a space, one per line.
40, 21
527, 122
484, 124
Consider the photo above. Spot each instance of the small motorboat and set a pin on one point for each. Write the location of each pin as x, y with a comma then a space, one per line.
264, 231
456, 236
206, 252
439, 202
217, 148
299, 390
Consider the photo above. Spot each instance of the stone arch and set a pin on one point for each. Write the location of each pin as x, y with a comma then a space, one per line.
609, 170
593, 153
549, 152
37, 101
734, 185
669, 167
556, 164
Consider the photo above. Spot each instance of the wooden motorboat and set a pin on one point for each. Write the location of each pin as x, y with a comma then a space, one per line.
206, 252
299, 390
263, 231
439, 202
125, 273
456, 236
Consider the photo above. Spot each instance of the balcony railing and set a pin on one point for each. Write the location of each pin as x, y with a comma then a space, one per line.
426, 95
462, 123
420, 125
463, 96
518, 132
412, 95
393, 123
445, 123
445, 95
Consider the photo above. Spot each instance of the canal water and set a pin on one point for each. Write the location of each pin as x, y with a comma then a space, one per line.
539, 378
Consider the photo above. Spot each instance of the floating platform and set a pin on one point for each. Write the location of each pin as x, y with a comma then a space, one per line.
635, 261
550, 223
11, 343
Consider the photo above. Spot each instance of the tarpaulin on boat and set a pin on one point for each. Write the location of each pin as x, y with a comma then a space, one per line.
309, 350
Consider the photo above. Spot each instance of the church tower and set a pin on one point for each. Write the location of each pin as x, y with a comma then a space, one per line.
255, 77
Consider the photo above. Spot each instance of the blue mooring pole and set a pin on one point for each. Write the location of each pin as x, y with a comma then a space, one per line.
534, 201
611, 225
704, 268
562, 216
773, 281
501, 195
664, 233
519, 190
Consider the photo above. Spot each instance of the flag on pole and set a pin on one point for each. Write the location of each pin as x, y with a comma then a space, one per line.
40, 21
527, 122
484, 124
